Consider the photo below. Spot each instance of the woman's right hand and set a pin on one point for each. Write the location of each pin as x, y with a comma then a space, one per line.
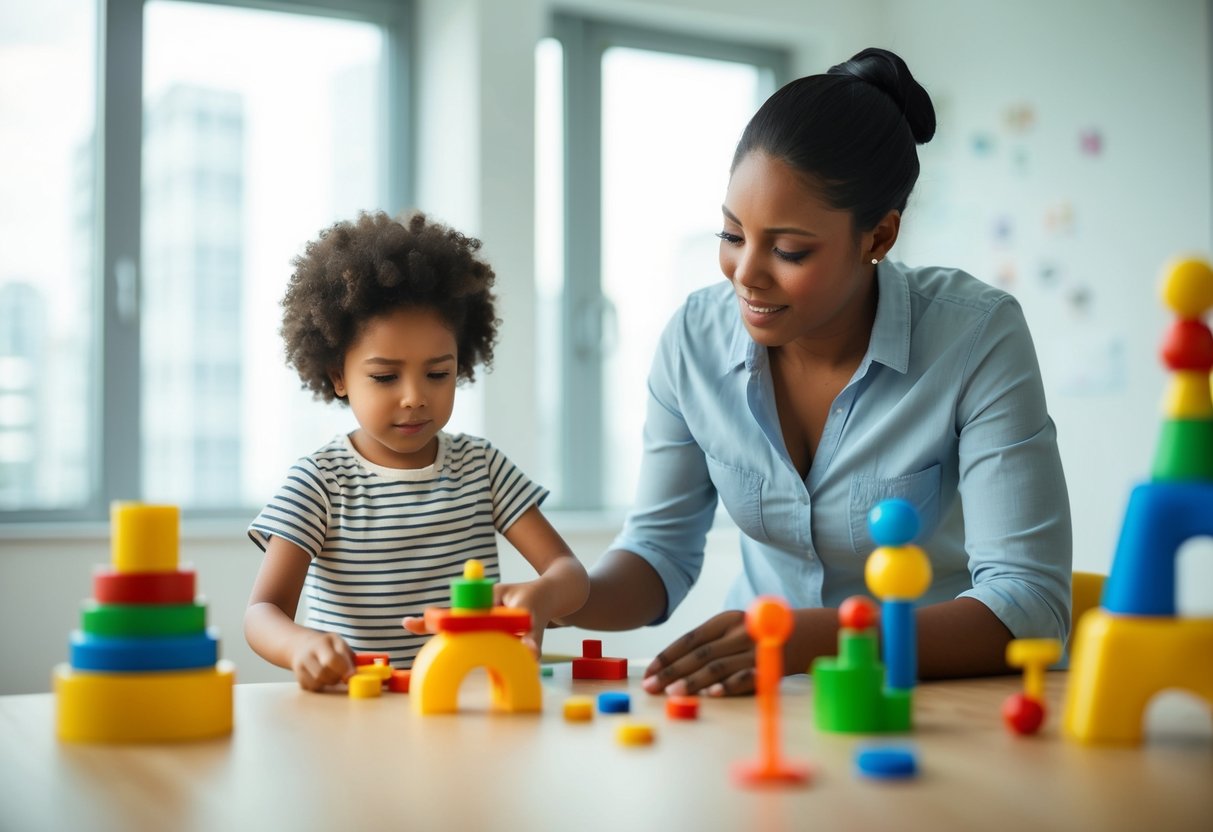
322, 659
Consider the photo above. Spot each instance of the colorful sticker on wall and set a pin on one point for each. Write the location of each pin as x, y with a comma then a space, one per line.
1019, 118
1059, 218
1090, 142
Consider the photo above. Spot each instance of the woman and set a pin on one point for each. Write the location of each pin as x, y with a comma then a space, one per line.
823, 378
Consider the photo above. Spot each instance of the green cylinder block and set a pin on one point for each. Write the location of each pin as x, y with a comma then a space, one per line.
143, 620
472, 594
1185, 451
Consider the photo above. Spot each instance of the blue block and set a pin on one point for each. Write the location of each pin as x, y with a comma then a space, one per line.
614, 703
900, 644
90, 652
886, 763
1160, 518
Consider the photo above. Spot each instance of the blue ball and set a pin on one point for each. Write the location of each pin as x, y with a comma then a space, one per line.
886, 763
893, 522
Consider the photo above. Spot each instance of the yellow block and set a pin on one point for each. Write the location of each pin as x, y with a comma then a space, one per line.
144, 707
446, 659
579, 709
1121, 661
144, 537
1188, 396
634, 733
365, 686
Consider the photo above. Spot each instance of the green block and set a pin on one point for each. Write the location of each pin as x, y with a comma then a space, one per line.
848, 690
472, 594
140, 620
1185, 451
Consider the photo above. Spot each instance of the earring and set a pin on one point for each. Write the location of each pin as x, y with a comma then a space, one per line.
875, 261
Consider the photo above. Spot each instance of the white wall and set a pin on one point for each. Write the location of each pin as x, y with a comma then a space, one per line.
1139, 69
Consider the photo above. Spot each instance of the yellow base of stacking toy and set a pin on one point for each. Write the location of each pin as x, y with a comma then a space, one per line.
144, 707
1121, 661
446, 658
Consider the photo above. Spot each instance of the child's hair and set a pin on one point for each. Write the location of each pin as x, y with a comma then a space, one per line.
377, 265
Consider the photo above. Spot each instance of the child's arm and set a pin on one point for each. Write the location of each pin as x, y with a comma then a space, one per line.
562, 586
317, 659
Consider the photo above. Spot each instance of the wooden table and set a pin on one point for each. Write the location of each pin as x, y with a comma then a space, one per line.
304, 761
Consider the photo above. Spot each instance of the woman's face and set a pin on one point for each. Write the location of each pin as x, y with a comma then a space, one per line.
799, 271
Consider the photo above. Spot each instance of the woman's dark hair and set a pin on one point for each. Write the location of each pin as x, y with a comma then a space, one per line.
852, 131
374, 266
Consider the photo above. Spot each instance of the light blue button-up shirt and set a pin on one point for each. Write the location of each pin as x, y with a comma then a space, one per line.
946, 410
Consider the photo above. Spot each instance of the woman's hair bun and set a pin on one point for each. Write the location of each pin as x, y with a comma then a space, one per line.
887, 72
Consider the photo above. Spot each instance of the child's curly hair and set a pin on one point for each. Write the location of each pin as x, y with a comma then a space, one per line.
376, 265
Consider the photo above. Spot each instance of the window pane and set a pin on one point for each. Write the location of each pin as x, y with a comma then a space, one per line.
47, 333
669, 127
260, 129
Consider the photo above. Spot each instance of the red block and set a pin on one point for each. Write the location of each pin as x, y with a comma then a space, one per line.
591, 648
399, 681
496, 619
682, 707
371, 658
113, 587
592, 665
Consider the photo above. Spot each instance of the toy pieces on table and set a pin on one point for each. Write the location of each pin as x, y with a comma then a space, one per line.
400, 681
592, 665
447, 657
462, 620
886, 763
769, 623
614, 703
682, 707
144, 707
1024, 712
365, 686
579, 709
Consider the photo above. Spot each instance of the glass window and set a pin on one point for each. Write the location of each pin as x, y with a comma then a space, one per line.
260, 129
48, 335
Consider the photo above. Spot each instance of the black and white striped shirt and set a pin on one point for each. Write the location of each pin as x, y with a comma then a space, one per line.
387, 542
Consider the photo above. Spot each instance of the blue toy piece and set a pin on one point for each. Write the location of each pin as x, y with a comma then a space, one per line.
614, 703
1160, 518
886, 763
893, 522
900, 644
90, 652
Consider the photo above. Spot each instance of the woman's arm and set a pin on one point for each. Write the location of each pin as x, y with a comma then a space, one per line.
625, 593
316, 658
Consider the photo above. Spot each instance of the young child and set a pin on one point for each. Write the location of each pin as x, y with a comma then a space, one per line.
386, 316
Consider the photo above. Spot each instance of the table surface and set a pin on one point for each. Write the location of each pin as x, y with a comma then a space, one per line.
302, 761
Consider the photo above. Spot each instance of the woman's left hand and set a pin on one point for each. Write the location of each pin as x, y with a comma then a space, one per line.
717, 658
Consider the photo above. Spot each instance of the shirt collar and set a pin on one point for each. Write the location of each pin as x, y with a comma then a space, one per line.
890, 344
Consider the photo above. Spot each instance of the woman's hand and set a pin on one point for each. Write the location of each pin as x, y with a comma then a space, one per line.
322, 659
716, 658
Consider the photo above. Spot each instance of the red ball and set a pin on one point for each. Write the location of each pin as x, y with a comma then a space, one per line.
1188, 345
1022, 714
857, 613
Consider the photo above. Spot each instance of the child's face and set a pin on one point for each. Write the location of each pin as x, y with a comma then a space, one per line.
400, 378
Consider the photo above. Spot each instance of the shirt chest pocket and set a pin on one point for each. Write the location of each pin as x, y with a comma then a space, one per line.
741, 492
920, 489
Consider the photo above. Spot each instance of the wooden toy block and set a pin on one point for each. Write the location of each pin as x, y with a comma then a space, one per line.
144, 537
133, 620
592, 665
682, 707
446, 659
143, 707
578, 709
365, 685
113, 587
634, 733
496, 619
89, 652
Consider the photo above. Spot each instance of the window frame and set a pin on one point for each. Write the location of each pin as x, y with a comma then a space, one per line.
585, 309
116, 466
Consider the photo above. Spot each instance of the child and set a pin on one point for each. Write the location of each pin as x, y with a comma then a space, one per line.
386, 316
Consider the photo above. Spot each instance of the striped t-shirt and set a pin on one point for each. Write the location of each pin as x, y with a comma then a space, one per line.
387, 542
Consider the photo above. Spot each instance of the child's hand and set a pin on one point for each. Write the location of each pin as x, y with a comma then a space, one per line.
322, 659
530, 597
415, 624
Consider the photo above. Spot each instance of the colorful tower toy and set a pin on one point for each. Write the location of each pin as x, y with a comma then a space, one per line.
1133, 645
472, 634
848, 692
144, 667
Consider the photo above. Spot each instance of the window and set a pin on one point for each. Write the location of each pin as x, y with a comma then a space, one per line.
233, 133
636, 131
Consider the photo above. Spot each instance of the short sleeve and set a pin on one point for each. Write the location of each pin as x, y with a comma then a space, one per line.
299, 511
512, 492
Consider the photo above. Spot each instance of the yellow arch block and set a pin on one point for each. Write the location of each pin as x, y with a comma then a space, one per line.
1120, 662
446, 659
144, 538
144, 707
